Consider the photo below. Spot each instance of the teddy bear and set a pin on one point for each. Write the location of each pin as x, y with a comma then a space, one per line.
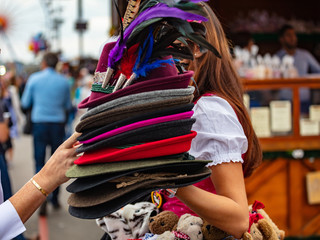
213, 233
188, 227
164, 221
257, 208
262, 230
191, 226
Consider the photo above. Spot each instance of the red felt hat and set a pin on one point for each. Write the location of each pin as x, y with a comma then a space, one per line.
164, 147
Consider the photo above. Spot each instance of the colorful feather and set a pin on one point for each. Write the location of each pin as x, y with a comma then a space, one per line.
143, 70
131, 12
128, 62
159, 10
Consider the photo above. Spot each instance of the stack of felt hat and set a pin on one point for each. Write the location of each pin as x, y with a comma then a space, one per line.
137, 130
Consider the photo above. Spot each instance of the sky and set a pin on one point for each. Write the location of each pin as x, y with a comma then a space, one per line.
27, 18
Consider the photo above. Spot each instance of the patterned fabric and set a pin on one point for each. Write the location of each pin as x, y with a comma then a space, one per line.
180, 235
150, 236
98, 88
131, 222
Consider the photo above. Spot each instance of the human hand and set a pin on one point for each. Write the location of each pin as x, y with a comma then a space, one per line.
53, 173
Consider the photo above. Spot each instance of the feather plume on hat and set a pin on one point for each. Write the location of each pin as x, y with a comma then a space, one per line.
155, 26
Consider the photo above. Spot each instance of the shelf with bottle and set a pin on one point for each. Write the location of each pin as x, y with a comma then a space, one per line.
284, 119
274, 37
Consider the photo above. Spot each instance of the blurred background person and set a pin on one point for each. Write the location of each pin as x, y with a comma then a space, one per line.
243, 40
5, 190
304, 63
303, 60
84, 82
12, 106
48, 93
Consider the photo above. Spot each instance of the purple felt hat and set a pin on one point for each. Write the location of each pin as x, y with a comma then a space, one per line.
164, 77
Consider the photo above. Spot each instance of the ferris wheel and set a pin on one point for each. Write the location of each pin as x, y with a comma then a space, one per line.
19, 20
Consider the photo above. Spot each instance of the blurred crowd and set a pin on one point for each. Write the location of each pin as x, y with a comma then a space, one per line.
12, 84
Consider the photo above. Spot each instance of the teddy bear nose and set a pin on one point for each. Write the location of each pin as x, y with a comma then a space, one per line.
199, 233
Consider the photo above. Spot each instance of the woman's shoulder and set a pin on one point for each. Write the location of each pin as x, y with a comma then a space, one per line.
214, 103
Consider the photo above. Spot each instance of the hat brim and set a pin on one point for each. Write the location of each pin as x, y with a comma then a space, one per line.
149, 133
111, 206
162, 83
80, 171
159, 148
91, 133
116, 114
83, 184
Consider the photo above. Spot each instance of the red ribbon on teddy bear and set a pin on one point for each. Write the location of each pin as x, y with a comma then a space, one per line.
180, 235
254, 216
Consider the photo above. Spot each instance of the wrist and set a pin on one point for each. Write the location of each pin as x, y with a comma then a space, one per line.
45, 182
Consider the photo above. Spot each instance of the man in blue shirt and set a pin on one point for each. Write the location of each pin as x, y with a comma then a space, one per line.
48, 93
303, 60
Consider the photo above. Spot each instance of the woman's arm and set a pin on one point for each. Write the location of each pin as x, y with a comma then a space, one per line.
29, 198
228, 209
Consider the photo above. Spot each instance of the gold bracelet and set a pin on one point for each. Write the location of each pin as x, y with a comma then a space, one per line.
38, 187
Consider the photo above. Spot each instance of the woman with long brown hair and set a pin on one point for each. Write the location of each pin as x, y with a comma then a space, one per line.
225, 136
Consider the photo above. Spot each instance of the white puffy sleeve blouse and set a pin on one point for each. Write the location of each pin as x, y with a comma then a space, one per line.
220, 136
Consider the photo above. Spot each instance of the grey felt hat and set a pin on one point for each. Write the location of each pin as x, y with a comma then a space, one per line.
139, 98
141, 135
117, 114
80, 171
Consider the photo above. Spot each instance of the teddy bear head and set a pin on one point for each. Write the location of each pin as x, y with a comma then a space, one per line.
164, 221
257, 207
191, 226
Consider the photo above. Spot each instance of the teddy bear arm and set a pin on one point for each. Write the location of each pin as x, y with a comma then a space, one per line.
267, 230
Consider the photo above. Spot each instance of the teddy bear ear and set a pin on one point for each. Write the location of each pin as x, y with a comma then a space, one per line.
208, 227
153, 213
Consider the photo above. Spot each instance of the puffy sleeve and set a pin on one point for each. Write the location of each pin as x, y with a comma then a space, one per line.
220, 135
10, 222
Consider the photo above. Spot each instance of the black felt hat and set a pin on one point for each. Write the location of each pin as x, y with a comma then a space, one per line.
90, 133
117, 114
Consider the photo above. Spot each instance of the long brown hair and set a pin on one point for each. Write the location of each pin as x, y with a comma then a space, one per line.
218, 76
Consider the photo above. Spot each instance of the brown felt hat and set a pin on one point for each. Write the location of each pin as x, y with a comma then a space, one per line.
116, 114
128, 196
86, 183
